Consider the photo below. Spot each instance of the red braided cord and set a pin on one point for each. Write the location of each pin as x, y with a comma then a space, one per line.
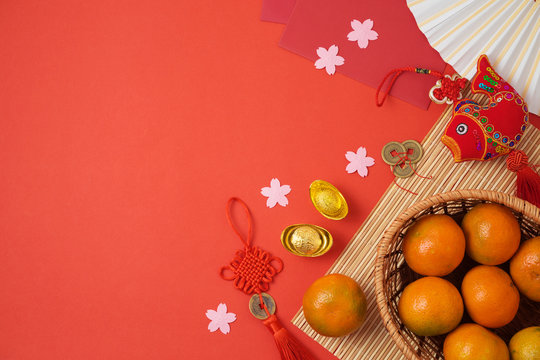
263, 305
396, 73
528, 180
403, 160
247, 242
252, 272
517, 160
252, 269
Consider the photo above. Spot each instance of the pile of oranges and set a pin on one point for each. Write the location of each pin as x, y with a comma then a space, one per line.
490, 235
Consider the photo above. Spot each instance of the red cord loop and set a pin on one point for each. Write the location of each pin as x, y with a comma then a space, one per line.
404, 159
395, 74
247, 242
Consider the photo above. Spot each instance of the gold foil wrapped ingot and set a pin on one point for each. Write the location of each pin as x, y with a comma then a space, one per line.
328, 200
306, 240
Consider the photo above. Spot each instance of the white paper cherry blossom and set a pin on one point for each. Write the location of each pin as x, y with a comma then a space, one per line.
359, 162
220, 319
276, 193
329, 59
362, 32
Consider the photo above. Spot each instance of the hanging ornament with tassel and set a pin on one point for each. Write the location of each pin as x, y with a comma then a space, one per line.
483, 133
252, 270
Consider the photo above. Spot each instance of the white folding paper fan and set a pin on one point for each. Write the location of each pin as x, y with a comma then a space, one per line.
507, 31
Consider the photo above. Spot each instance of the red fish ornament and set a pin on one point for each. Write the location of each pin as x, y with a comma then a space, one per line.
486, 132
477, 132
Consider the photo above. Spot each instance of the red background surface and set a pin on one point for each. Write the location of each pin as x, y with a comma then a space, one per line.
399, 43
124, 128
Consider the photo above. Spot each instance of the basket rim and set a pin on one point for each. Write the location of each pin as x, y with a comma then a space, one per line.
510, 201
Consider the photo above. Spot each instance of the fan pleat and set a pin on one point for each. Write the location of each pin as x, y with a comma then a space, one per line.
507, 31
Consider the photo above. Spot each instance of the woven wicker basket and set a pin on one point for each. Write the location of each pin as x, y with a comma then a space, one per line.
392, 273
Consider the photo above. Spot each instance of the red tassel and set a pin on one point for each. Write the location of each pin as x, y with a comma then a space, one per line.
528, 180
289, 348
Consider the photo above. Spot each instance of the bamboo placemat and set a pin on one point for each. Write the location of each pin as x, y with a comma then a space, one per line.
372, 341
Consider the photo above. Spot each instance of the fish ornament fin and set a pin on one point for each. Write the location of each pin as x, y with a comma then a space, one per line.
487, 81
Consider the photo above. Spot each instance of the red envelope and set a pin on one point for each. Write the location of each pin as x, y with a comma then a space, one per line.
322, 23
277, 11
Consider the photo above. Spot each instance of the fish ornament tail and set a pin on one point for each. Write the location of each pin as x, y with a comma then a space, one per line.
487, 81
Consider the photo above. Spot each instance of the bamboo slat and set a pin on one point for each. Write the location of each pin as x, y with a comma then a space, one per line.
372, 341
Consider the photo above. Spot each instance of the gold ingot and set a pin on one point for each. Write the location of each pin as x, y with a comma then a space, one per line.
328, 200
306, 240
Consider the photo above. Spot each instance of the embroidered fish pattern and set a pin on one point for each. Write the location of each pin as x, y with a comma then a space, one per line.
478, 132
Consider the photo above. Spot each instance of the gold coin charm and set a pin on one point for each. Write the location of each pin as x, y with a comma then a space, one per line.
306, 240
404, 170
328, 200
257, 310
414, 150
390, 152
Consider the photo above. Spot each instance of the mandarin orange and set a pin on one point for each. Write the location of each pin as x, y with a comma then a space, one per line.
525, 344
474, 342
525, 268
430, 306
434, 245
334, 305
492, 233
490, 296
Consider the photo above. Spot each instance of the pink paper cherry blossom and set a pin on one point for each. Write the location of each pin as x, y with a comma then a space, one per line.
362, 32
329, 59
276, 193
359, 161
220, 319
